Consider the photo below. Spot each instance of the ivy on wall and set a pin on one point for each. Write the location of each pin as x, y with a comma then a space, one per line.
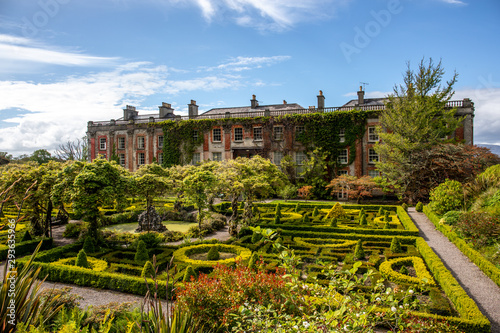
321, 131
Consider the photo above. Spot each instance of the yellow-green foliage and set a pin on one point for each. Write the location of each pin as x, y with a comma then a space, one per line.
213, 253
95, 264
188, 273
359, 253
141, 254
337, 211
423, 275
148, 270
81, 259
182, 254
328, 243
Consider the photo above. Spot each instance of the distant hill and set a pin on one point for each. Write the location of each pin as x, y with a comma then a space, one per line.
495, 149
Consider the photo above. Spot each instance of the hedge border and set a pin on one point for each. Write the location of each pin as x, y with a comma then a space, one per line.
484, 265
242, 253
27, 247
467, 309
422, 273
89, 278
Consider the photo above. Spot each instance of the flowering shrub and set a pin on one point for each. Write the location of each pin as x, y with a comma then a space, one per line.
481, 228
212, 299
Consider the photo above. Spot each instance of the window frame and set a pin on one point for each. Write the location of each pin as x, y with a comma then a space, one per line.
260, 137
371, 154
372, 134
219, 154
141, 157
160, 158
342, 135
299, 162
214, 135
239, 129
141, 142
122, 158
278, 135
103, 143
160, 141
195, 161
275, 159
120, 139
343, 158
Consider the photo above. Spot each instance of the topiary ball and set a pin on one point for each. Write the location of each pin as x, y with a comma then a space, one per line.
419, 207
213, 253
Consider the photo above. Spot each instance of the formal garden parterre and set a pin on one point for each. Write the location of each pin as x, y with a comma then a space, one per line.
327, 239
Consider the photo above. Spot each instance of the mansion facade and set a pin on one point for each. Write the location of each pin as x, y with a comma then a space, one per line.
135, 139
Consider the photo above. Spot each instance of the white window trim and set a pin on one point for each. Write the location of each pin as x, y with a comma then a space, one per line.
374, 134
213, 135
261, 136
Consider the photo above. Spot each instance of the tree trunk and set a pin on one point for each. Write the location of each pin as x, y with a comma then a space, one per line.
48, 219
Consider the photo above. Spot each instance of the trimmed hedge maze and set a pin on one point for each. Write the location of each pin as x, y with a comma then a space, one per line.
321, 234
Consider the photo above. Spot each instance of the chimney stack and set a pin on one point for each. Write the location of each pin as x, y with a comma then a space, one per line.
321, 100
192, 109
166, 110
361, 96
253, 102
129, 112
284, 102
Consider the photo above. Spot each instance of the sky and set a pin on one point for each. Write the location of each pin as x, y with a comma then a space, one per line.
66, 62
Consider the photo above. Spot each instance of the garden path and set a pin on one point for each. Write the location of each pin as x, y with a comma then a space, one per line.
478, 286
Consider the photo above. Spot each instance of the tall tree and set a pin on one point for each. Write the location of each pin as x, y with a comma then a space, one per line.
76, 150
150, 181
41, 156
415, 119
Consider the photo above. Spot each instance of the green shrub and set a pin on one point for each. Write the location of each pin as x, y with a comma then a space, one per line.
26, 237
403, 270
315, 212
359, 253
405, 206
363, 221
278, 210
419, 207
213, 253
297, 208
253, 261
188, 273
151, 239
361, 213
89, 245
256, 237
333, 222
481, 228
396, 246
380, 211
387, 218
81, 259
73, 230
148, 270
277, 219
141, 254
447, 196
305, 219
452, 217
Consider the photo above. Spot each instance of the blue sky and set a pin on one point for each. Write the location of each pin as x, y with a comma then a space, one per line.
65, 62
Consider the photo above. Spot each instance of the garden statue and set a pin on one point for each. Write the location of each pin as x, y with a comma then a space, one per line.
150, 220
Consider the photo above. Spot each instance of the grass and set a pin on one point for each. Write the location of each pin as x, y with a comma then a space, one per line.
171, 225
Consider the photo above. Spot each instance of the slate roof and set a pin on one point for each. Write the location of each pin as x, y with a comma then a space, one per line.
368, 101
270, 107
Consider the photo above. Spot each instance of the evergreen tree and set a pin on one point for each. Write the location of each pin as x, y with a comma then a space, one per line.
141, 254
315, 212
253, 261
81, 259
333, 222
396, 245
362, 220
188, 273
415, 119
359, 253
88, 245
26, 237
256, 237
297, 208
277, 219
213, 253
148, 270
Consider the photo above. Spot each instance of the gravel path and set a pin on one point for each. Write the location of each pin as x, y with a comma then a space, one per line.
478, 286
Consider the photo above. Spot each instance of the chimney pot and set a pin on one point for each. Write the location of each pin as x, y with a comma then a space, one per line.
253, 102
284, 102
321, 100
165, 110
192, 109
129, 112
361, 96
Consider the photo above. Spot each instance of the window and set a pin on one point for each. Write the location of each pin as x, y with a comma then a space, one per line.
372, 134
372, 156
278, 156
257, 133
238, 134
373, 173
195, 135
299, 130
160, 141
160, 158
196, 158
342, 135
342, 172
278, 132
300, 157
217, 156
141, 158
121, 158
121, 143
216, 134
343, 157
102, 144
140, 142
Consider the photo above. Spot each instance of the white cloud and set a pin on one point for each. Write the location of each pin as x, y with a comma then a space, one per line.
17, 52
454, 2
487, 112
239, 64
